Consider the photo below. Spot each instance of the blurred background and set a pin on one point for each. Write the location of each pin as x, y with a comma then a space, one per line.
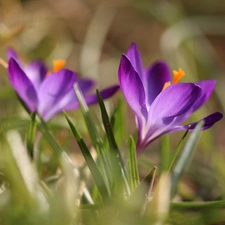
91, 35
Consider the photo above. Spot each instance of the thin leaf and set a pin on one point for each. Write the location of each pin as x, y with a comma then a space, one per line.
198, 205
44, 130
118, 122
85, 111
149, 178
132, 165
185, 157
104, 161
147, 181
90, 161
178, 148
150, 188
165, 152
107, 126
141, 195
112, 142
31, 134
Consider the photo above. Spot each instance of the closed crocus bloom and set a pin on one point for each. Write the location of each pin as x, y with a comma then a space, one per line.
160, 104
49, 91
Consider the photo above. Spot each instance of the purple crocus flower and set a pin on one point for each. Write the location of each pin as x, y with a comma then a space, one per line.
49, 92
160, 110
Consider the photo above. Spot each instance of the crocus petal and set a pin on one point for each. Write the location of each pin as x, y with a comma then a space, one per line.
52, 91
207, 87
105, 93
208, 121
91, 99
22, 85
174, 101
132, 87
160, 111
155, 78
12, 54
85, 85
65, 103
171, 107
135, 58
36, 71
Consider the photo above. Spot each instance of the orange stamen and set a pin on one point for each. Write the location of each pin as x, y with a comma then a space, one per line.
167, 84
58, 64
177, 75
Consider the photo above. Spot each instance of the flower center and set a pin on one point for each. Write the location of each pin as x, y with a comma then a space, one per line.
177, 75
57, 66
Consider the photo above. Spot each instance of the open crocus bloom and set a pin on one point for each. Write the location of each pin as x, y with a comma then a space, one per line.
49, 92
159, 106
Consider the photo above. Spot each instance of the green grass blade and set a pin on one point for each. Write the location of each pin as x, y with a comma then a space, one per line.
148, 179
165, 152
140, 195
118, 122
178, 148
132, 164
88, 120
112, 142
31, 134
103, 159
185, 157
46, 134
90, 161
107, 126
201, 205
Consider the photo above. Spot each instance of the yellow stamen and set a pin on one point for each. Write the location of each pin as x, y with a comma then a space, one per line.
58, 64
167, 84
177, 75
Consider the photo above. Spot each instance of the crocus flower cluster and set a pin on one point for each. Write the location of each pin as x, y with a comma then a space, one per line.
49, 91
160, 105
